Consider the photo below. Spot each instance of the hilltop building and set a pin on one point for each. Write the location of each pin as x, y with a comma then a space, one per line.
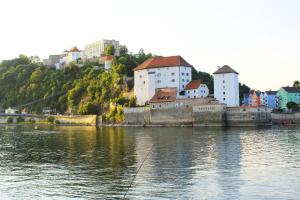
52, 61
160, 72
107, 60
226, 86
96, 50
73, 55
287, 94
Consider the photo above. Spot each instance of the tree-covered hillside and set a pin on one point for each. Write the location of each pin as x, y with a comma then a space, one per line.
85, 90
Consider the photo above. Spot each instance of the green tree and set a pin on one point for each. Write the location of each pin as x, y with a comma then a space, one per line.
297, 84
110, 50
292, 105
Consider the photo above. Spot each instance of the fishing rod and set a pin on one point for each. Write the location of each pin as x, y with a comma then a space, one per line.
42, 99
135, 175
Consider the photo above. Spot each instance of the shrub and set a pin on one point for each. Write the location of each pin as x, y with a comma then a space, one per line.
10, 120
57, 121
31, 120
20, 119
50, 119
292, 105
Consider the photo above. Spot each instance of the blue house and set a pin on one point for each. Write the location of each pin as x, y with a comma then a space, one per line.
246, 99
269, 99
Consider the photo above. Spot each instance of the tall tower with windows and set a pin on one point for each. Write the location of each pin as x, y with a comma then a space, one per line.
226, 86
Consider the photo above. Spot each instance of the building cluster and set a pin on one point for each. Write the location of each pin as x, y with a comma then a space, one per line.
92, 53
167, 79
272, 99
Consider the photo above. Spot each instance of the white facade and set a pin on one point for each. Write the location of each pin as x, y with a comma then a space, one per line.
107, 64
226, 88
11, 111
200, 92
146, 81
264, 99
97, 49
72, 57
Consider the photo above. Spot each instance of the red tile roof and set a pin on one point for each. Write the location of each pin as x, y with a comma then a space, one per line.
164, 95
107, 58
193, 85
74, 49
159, 61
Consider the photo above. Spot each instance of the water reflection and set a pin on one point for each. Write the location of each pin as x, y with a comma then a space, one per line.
184, 163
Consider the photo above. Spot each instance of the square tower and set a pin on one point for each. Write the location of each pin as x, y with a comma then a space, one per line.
226, 86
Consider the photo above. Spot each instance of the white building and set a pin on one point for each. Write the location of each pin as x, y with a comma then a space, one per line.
226, 86
97, 49
107, 60
72, 56
160, 72
196, 89
11, 111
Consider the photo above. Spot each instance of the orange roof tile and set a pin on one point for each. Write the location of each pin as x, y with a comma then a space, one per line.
159, 61
193, 85
164, 95
74, 49
107, 58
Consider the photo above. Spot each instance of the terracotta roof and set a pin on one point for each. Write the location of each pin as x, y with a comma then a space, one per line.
107, 58
225, 70
164, 95
74, 49
291, 89
193, 85
159, 61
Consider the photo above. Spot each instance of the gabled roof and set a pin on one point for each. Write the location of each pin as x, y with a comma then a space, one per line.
271, 92
159, 61
291, 89
107, 58
74, 49
195, 84
164, 95
225, 70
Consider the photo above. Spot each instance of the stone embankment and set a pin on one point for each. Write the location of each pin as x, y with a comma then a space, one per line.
286, 118
91, 120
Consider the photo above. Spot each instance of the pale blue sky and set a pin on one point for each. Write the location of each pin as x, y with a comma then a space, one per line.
258, 38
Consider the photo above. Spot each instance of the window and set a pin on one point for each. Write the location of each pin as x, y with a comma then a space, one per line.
194, 97
187, 74
194, 91
187, 80
182, 74
188, 91
144, 82
158, 74
224, 99
182, 80
224, 87
173, 80
158, 81
189, 97
182, 86
223, 81
141, 76
223, 93
172, 74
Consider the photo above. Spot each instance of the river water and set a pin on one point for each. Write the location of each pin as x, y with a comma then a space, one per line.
49, 162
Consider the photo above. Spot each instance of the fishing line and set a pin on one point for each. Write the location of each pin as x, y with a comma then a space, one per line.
135, 175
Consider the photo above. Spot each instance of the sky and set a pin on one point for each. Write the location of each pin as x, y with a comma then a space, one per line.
259, 38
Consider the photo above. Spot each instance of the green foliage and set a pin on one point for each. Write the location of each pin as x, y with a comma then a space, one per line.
9, 120
205, 77
31, 120
50, 119
110, 50
56, 121
115, 115
20, 119
292, 105
297, 84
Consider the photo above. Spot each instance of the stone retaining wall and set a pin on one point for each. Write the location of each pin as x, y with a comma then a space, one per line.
281, 118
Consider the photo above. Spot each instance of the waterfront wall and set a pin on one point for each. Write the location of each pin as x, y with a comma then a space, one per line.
137, 116
198, 115
282, 118
209, 115
72, 119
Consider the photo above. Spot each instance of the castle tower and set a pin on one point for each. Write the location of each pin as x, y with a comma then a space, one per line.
226, 86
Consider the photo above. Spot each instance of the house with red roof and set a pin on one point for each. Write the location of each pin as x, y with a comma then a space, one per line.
196, 89
161, 72
73, 55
